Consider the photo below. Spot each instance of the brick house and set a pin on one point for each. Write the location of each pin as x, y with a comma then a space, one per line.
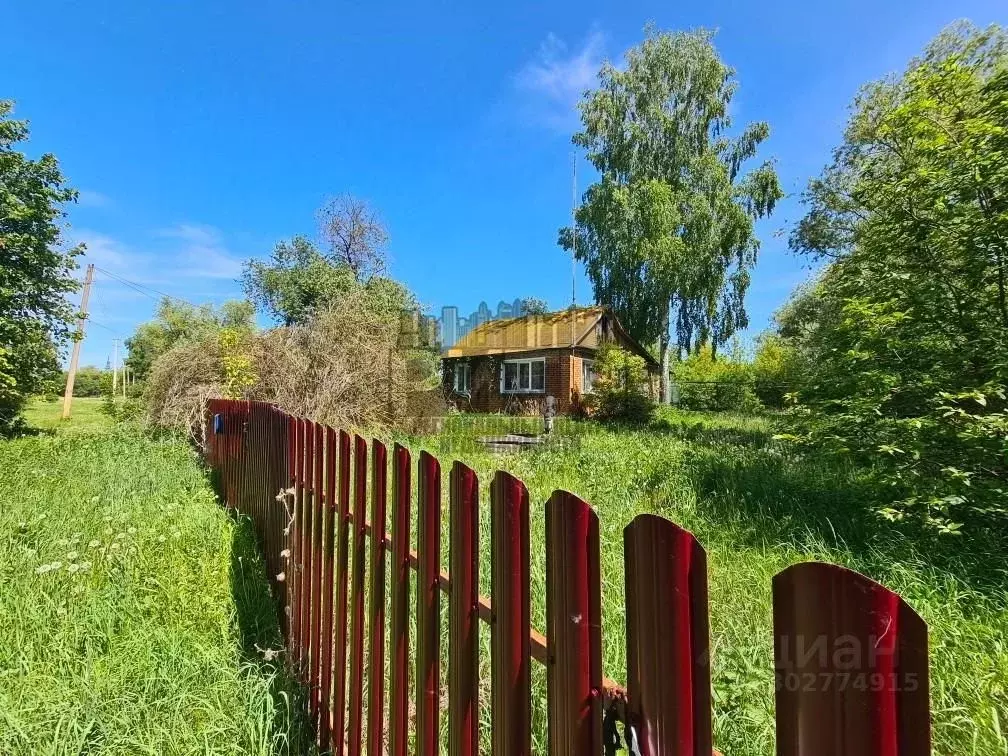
512, 365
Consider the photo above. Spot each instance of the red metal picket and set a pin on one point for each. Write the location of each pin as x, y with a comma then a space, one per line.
428, 604
851, 656
326, 598
573, 627
307, 558
511, 676
851, 663
294, 573
667, 639
463, 613
376, 602
356, 696
340, 597
318, 509
399, 627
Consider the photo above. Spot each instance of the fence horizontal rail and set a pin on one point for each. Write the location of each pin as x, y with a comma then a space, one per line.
851, 665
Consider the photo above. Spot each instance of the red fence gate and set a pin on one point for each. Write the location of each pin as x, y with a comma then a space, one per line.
850, 655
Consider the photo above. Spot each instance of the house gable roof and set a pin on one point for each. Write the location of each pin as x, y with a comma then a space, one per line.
535, 332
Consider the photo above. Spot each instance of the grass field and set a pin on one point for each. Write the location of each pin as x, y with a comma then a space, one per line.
133, 606
757, 508
134, 609
86, 415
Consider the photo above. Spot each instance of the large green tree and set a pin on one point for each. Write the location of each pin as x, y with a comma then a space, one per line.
666, 234
176, 321
300, 278
36, 270
905, 333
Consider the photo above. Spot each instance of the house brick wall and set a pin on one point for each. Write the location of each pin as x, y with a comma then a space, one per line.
484, 382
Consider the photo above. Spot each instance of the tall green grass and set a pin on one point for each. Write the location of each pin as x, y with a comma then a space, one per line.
134, 613
757, 508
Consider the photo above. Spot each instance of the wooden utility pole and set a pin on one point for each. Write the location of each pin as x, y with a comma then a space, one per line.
115, 364
75, 355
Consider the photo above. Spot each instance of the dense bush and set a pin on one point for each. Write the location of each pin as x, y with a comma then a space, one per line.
620, 391
709, 382
777, 371
91, 381
346, 367
905, 333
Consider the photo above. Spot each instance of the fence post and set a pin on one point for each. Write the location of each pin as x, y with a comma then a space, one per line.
399, 633
318, 509
376, 604
428, 604
667, 639
851, 666
573, 627
356, 697
326, 599
510, 648
340, 595
463, 619
294, 539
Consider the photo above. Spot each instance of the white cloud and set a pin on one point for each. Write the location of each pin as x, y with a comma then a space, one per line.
555, 79
104, 251
202, 252
89, 198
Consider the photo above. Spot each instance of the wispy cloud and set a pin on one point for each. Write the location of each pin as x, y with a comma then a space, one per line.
175, 257
553, 81
90, 198
202, 252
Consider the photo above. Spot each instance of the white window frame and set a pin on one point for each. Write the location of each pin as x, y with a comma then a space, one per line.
462, 369
587, 369
528, 361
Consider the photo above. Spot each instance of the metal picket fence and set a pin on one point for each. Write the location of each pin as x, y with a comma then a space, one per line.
851, 665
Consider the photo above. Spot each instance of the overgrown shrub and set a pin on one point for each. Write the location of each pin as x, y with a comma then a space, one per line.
722, 383
619, 391
91, 381
776, 371
346, 367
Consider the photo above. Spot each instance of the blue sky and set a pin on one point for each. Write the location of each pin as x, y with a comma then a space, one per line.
201, 133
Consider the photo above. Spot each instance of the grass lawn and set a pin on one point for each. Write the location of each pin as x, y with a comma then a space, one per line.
132, 604
86, 415
757, 508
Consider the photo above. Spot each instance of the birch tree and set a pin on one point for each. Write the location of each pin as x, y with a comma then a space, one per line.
666, 233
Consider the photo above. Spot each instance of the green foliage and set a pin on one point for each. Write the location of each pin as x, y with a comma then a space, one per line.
176, 322
535, 306
239, 373
299, 280
127, 591
777, 370
723, 383
757, 506
620, 386
91, 381
905, 333
666, 234
36, 274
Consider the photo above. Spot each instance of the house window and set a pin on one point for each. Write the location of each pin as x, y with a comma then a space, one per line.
524, 376
462, 378
587, 376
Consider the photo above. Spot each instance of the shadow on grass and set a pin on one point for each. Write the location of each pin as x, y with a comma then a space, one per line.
260, 637
794, 501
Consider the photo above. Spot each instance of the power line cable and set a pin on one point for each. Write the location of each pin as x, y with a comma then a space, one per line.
144, 289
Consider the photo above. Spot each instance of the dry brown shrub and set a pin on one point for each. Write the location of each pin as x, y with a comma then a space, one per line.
346, 369
181, 381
